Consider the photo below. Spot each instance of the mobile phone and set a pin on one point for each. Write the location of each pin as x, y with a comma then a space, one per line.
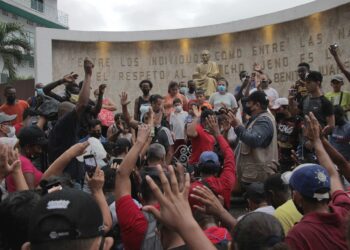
90, 164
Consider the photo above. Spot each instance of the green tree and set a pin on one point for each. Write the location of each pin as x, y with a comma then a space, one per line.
13, 46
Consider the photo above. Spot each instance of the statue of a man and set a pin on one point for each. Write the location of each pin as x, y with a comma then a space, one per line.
206, 74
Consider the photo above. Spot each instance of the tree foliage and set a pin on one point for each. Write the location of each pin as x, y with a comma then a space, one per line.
13, 46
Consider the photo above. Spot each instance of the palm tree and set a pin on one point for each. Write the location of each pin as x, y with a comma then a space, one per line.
13, 46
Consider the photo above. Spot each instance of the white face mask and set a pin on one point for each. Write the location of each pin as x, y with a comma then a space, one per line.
12, 132
178, 108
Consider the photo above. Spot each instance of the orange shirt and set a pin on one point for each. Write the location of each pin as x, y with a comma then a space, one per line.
168, 103
16, 109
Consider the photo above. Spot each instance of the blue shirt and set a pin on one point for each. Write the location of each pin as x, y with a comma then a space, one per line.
340, 139
103, 140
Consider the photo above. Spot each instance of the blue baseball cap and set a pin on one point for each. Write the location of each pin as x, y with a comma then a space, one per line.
311, 180
209, 156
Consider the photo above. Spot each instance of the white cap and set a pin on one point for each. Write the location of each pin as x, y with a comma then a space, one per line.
280, 102
95, 148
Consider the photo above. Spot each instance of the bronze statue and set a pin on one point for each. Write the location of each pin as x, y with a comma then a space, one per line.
206, 74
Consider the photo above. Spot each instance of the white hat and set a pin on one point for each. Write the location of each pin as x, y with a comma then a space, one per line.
95, 148
280, 102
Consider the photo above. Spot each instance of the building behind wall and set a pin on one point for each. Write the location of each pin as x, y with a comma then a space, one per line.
30, 14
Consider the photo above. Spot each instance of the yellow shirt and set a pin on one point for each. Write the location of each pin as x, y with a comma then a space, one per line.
334, 98
288, 215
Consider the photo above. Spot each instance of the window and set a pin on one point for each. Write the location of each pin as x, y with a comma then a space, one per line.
30, 38
31, 61
37, 5
30, 22
5, 13
14, 16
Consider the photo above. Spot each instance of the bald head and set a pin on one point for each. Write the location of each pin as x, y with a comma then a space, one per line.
156, 154
64, 108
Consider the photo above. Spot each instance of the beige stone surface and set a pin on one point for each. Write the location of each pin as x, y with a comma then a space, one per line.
279, 48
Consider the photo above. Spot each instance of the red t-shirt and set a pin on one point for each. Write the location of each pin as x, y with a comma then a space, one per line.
318, 231
132, 223
27, 167
202, 142
223, 184
16, 109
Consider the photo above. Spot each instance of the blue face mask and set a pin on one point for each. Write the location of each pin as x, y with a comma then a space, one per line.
222, 88
39, 91
183, 90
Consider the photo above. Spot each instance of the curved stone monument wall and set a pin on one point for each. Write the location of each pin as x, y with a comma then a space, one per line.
122, 63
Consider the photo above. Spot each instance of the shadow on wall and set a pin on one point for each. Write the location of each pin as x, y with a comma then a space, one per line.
24, 89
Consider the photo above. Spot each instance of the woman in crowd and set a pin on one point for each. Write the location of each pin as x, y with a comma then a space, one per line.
173, 93
222, 98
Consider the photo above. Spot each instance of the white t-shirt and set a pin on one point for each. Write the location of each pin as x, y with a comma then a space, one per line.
177, 124
271, 93
267, 209
217, 99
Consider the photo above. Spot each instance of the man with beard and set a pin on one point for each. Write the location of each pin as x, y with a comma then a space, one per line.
288, 130
299, 88
142, 103
12, 105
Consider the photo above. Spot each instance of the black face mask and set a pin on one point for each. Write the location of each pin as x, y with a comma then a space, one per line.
11, 99
145, 91
96, 135
339, 121
247, 110
191, 89
280, 116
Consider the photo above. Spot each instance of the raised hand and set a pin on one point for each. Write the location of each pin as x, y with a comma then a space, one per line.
70, 78
78, 148
124, 99
312, 127
96, 181
88, 66
143, 133
174, 207
333, 50
102, 88
232, 118
9, 160
196, 111
213, 125
211, 204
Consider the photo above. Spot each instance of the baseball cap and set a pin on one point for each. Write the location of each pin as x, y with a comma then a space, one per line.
32, 135
280, 102
338, 78
6, 118
314, 76
259, 97
65, 214
311, 180
255, 190
209, 156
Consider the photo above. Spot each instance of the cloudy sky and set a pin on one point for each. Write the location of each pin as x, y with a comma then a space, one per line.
127, 15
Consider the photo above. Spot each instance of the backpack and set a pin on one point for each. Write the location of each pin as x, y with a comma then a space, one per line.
151, 240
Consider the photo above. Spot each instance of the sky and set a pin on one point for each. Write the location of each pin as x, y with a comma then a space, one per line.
131, 15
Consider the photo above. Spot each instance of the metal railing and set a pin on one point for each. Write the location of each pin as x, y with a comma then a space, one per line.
43, 10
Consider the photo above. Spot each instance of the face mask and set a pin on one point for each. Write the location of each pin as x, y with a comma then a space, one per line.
191, 89
96, 135
178, 108
39, 91
12, 132
339, 121
11, 99
247, 110
145, 91
280, 116
183, 90
73, 98
221, 88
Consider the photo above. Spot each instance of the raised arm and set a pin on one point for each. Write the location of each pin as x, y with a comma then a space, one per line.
337, 158
340, 64
312, 131
70, 78
124, 102
97, 108
57, 167
122, 181
96, 184
192, 127
85, 90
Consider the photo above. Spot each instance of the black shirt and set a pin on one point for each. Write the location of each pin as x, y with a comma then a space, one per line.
320, 106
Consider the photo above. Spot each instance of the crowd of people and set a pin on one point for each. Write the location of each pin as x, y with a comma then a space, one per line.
77, 173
